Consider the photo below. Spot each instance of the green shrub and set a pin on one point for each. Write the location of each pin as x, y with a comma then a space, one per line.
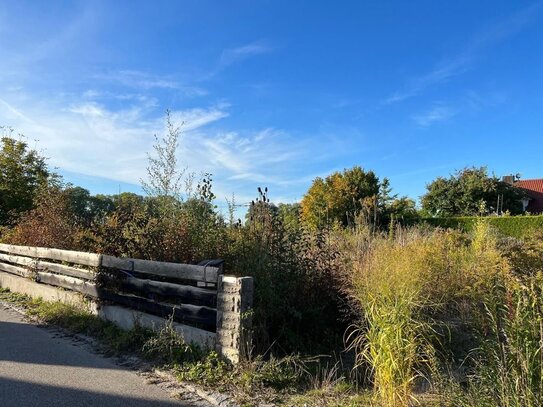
170, 347
296, 303
210, 370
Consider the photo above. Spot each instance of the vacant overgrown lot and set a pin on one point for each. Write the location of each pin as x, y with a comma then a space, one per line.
352, 307
343, 315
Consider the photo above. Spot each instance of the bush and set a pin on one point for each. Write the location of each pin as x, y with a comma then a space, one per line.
146, 228
50, 224
296, 301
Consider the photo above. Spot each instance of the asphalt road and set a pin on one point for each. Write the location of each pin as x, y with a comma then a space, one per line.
41, 368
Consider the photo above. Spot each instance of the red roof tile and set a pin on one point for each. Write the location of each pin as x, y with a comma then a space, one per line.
534, 189
535, 185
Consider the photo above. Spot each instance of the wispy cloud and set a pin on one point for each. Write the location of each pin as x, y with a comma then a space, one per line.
439, 74
43, 42
144, 81
462, 62
437, 113
232, 55
91, 138
472, 101
13, 113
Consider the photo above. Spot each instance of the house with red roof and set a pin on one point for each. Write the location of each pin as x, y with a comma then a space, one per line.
534, 191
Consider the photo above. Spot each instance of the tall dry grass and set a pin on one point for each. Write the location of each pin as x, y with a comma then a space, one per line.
400, 282
509, 364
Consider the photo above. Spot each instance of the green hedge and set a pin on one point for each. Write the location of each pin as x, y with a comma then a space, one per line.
515, 226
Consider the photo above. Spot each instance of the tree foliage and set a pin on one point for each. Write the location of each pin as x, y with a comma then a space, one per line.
89, 209
50, 224
468, 192
338, 197
22, 171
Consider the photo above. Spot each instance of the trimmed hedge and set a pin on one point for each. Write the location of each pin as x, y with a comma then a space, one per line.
514, 226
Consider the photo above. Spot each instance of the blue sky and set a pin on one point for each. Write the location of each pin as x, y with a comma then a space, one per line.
276, 93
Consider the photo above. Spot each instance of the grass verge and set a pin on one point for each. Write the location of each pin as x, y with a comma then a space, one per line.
112, 339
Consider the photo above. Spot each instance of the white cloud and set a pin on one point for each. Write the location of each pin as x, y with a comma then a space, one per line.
144, 81
440, 74
90, 138
12, 113
437, 113
232, 55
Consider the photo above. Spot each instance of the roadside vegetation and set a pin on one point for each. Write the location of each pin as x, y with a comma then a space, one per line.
358, 299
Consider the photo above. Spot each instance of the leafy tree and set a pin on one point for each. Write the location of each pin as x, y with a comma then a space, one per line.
315, 204
394, 208
128, 200
468, 192
290, 215
385, 197
339, 197
88, 209
79, 200
22, 171
100, 206
50, 224
402, 210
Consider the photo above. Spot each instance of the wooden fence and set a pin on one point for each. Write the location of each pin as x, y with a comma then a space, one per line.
199, 298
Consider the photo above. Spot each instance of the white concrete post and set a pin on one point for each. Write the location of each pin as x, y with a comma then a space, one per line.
234, 317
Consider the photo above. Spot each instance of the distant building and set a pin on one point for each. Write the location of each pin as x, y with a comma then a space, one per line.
534, 191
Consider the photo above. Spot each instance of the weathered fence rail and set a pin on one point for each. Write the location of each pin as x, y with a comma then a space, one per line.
207, 307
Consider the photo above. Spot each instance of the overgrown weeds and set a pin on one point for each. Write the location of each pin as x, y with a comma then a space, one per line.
169, 347
392, 340
509, 366
423, 301
407, 286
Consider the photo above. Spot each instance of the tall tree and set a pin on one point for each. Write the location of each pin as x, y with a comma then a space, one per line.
22, 172
393, 208
339, 197
89, 209
470, 191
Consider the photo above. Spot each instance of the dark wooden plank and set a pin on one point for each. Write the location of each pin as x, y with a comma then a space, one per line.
186, 293
201, 315
204, 316
157, 268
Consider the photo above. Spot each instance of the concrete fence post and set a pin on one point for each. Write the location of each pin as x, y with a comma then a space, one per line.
234, 317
